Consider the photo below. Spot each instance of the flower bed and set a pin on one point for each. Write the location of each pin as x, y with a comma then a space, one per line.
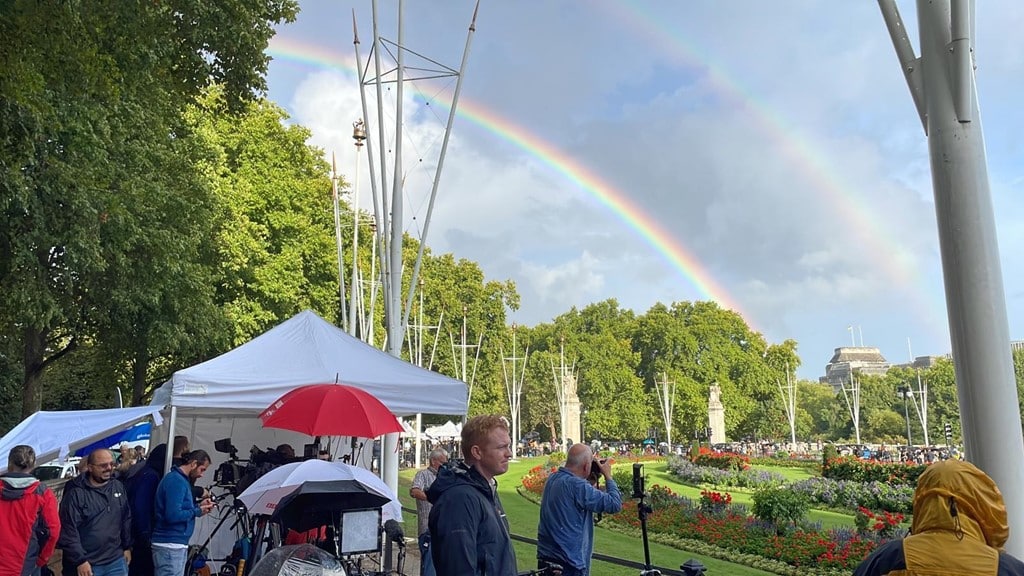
692, 473
851, 468
835, 494
850, 496
728, 527
721, 460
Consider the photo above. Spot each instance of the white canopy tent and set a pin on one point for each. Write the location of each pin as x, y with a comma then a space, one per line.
222, 397
307, 349
57, 434
447, 431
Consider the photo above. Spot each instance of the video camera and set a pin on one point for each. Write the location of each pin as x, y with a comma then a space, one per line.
230, 472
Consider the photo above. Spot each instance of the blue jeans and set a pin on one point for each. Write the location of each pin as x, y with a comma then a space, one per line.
426, 558
169, 561
116, 568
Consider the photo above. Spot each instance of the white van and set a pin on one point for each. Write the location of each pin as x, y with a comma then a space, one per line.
56, 470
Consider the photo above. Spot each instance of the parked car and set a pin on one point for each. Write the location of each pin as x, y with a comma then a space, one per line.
57, 470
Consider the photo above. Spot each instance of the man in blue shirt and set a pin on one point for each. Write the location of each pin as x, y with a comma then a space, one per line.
565, 535
175, 512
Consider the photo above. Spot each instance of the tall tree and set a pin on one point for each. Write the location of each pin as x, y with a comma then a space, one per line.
87, 87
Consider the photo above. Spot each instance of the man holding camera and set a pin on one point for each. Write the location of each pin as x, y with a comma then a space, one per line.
565, 535
175, 512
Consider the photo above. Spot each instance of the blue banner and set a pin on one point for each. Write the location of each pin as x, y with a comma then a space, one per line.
133, 435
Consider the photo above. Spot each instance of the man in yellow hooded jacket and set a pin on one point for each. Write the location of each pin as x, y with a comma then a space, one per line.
959, 527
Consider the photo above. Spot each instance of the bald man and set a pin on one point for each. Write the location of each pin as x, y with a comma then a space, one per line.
565, 535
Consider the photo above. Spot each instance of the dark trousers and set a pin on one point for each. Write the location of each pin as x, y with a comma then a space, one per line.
142, 560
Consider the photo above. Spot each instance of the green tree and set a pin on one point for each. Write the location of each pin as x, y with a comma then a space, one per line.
87, 87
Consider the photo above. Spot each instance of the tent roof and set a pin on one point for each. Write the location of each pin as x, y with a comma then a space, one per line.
53, 434
306, 349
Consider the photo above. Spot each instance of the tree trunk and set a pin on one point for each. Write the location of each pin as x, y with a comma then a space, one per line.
140, 369
33, 364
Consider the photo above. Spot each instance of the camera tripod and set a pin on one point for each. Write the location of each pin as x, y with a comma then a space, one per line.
642, 510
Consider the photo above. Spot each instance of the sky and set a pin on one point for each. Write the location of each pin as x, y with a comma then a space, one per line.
766, 156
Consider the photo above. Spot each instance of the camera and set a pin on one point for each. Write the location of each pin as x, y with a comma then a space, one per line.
638, 480
595, 470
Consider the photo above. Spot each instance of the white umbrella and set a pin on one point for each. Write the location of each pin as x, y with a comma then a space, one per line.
263, 495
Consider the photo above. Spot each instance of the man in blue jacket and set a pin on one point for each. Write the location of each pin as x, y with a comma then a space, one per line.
175, 512
565, 535
468, 530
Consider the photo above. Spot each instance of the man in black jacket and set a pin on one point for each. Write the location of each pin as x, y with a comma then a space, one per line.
95, 520
468, 529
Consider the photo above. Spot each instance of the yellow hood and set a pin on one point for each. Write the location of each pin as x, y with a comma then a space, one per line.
979, 503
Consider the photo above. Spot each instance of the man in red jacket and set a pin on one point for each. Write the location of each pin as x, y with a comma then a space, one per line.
29, 523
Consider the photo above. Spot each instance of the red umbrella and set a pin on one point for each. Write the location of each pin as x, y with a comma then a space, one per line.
331, 410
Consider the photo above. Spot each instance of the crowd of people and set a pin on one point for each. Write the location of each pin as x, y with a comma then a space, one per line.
120, 516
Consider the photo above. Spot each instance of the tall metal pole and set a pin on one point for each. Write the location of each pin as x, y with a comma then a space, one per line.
441, 157
337, 240
359, 136
377, 212
943, 86
667, 397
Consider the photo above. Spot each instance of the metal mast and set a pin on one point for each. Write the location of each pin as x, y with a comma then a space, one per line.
514, 388
391, 218
942, 85
854, 406
789, 400
335, 193
462, 374
667, 401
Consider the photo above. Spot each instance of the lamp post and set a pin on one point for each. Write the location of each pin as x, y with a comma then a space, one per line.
358, 136
905, 392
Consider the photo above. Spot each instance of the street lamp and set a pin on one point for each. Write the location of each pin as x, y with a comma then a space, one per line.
905, 392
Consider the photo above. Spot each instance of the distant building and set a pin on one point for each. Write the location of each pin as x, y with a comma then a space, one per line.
848, 359
922, 362
1016, 345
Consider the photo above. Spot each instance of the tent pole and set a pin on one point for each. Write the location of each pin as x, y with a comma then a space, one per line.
169, 457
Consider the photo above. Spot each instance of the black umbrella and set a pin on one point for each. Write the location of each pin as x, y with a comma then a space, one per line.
316, 504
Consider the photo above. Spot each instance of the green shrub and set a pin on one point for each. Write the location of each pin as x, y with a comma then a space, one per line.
556, 459
623, 476
828, 453
780, 506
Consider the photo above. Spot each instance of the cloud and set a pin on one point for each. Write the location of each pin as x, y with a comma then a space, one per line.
777, 145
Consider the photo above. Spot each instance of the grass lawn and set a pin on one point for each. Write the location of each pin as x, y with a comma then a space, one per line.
790, 474
657, 473
523, 516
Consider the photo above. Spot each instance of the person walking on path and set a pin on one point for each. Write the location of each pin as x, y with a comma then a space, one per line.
420, 483
96, 522
29, 520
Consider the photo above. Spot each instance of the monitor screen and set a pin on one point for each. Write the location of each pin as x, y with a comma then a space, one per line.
360, 531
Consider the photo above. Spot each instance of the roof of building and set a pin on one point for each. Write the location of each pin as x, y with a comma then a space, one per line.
870, 354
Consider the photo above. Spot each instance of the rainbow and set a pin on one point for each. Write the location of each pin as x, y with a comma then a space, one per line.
614, 199
898, 264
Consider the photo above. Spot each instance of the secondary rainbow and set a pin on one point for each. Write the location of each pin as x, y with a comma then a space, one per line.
811, 165
583, 177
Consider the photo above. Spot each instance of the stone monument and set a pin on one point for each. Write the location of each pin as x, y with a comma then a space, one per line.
716, 415
572, 409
